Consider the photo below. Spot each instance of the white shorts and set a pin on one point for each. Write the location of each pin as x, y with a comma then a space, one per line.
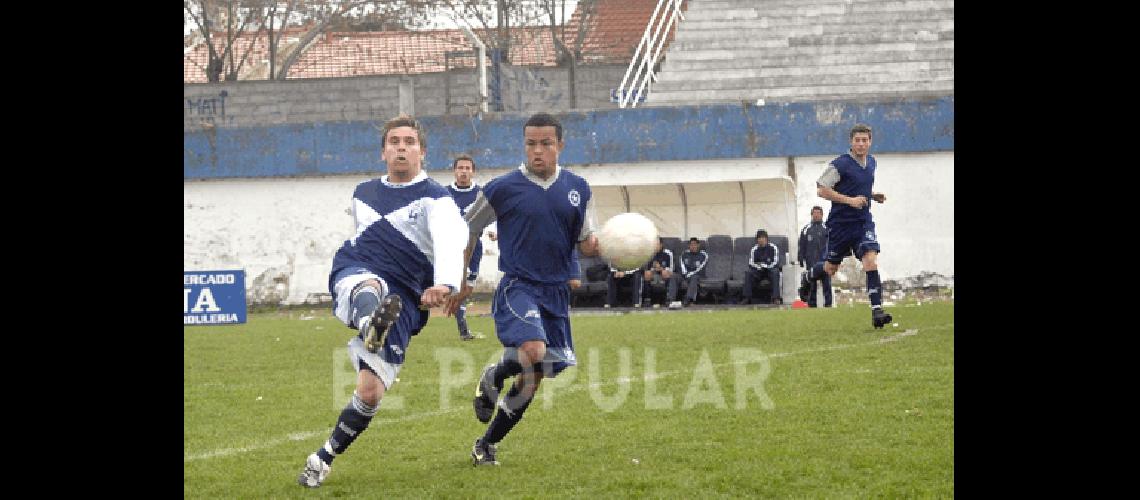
352, 277
342, 291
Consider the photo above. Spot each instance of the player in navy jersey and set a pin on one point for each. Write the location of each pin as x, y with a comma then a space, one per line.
542, 211
847, 183
464, 190
405, 257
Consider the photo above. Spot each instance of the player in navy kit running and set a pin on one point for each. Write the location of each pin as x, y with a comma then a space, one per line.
464, 191
542, 211
405, 257
847, 183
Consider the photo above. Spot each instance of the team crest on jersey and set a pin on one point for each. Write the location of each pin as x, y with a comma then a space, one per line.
575, 198
870, 236
416, 210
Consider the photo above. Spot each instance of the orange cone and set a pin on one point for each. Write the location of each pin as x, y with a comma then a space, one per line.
799, 304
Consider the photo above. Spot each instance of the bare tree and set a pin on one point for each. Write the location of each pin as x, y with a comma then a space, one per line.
275, 35
235, 16
570, 54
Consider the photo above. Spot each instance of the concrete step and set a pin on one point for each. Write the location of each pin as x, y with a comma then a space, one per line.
803, 80
661, 97
676, 54
902, 68
700, 11
858, 38
772, 22
870, 38
702, 5
707, 16
756, 29
765, 60
727, 43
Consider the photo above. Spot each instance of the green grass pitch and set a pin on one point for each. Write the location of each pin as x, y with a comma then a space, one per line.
744, 403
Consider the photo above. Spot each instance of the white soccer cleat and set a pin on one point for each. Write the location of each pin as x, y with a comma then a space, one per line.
315, 472
676, 304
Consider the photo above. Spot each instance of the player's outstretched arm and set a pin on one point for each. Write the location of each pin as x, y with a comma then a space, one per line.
454, 301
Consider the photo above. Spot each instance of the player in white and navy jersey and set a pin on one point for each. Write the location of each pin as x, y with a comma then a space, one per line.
543, 211
848, 182
464, 191
405, 257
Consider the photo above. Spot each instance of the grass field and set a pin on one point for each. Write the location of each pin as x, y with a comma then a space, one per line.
827, 407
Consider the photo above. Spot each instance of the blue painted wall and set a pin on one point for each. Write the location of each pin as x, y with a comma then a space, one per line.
605, 136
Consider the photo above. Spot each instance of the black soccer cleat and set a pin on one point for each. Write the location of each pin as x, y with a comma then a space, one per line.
486, 395
880, 318
383, 318
805, 286
483, 453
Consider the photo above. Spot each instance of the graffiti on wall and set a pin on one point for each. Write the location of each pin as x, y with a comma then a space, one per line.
206, 110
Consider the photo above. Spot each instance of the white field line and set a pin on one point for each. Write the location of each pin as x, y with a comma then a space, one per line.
300, 436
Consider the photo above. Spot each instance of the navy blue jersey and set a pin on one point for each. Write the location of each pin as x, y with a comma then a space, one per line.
764, 257
694, 263
464, 197
813, 242
539, 222
410, 234
847, 177
665, 257
575, 266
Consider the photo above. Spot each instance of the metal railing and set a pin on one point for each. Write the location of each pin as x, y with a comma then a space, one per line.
648, 53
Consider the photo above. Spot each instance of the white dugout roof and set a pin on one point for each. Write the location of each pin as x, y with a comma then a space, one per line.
699, 198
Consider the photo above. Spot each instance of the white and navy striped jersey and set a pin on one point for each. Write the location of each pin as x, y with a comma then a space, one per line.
410, 234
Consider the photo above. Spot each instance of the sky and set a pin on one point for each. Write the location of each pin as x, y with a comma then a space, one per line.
440, 22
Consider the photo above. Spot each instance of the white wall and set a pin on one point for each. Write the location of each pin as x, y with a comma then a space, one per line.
915, 227
291, 227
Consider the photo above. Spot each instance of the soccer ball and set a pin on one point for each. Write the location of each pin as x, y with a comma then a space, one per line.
628, 240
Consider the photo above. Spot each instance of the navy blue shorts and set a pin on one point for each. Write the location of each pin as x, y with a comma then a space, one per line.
847, 238
525, 311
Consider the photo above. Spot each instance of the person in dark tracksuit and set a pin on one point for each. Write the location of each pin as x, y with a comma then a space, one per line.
659, 269
622, 277
693, 269
763, 262
812, 249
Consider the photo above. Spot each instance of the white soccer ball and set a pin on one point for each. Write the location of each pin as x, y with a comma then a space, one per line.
628, 240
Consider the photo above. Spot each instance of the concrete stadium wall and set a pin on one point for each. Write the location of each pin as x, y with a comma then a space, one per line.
284, 231
592, 137
374, 99
273, 199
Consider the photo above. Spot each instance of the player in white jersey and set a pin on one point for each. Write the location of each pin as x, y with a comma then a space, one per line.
405, 258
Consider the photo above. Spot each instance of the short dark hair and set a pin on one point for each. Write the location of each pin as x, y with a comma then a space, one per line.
694, 240
761, 233
817, 207
404, 120
545, 120
455, 163
860, 128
